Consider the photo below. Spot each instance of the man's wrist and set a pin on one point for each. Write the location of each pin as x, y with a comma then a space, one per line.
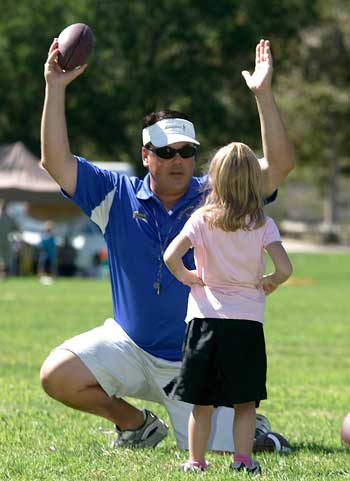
264, 96
55, 91
55, 88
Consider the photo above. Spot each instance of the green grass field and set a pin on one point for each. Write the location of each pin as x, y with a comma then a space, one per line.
308, 342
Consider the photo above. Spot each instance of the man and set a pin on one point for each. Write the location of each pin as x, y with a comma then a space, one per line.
138, 352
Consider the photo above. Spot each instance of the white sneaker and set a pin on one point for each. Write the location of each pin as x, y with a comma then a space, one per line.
191, 466
148, 435
253, 469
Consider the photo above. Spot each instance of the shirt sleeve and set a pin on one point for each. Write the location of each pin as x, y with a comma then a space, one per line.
271, 198
271, 232
95, 191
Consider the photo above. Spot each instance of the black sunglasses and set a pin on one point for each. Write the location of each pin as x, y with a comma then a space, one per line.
168, 152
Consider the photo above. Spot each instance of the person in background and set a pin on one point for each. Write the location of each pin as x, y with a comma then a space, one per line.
47, 258
66, 259
7, 252
224, 358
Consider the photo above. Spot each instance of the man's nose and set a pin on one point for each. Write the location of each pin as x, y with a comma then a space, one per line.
177, 159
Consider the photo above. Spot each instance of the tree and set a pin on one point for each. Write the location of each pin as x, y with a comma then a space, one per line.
316, 99
183, 54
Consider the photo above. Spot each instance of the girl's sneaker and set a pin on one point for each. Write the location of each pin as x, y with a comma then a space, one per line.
253, 469
190, 466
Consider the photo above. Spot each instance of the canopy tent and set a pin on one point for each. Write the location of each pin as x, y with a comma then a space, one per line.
22, 179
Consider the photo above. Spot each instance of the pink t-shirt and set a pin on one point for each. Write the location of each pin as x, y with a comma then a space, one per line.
230, 264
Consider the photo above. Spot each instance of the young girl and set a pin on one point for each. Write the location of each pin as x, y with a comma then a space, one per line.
224, 359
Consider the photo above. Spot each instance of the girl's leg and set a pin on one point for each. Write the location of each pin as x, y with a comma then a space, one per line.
199, 425
244, 428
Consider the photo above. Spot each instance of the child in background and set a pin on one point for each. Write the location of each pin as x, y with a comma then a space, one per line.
224, 359
47, 253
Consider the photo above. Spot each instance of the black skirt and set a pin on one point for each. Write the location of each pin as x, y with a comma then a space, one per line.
224, 363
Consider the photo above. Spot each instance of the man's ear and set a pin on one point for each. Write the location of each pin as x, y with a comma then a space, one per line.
144, 153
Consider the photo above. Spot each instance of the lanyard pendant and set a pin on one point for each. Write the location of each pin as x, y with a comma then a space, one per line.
156, 285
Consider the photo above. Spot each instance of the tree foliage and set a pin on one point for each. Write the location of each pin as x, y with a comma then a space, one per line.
183, 54
315, 96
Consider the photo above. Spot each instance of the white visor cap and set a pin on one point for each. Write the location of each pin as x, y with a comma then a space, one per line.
169, 131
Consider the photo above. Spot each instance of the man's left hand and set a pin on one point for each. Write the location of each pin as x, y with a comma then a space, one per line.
260, 80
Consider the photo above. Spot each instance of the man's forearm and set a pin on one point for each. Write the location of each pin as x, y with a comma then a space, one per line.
54, 138
55, 150
277, 148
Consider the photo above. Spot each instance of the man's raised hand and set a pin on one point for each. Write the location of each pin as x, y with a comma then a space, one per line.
54, 75
260, 80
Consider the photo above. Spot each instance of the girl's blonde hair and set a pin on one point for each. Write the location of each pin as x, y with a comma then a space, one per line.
235, 199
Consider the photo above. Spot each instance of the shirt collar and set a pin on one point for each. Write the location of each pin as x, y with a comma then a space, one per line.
195, 189
145, 192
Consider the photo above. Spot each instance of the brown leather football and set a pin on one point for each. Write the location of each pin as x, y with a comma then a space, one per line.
74, 44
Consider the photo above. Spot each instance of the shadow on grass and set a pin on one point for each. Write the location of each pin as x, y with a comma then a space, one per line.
318, 448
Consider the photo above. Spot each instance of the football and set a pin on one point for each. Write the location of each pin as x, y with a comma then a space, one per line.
74, 45
271, 442
345, 431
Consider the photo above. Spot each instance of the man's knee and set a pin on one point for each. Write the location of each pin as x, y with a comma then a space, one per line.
56, 372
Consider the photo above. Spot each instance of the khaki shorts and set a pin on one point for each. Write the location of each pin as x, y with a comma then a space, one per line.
123, 369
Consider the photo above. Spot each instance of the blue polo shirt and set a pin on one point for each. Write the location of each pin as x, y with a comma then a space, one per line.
137, 229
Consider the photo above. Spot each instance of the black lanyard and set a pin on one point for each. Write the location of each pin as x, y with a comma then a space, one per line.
163, 245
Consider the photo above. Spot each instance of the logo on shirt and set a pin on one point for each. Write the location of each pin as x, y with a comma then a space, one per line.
138, 215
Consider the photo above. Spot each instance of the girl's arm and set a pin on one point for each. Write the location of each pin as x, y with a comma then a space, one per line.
173, 260
283, 268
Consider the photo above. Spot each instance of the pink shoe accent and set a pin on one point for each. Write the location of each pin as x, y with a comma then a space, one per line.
243, 458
